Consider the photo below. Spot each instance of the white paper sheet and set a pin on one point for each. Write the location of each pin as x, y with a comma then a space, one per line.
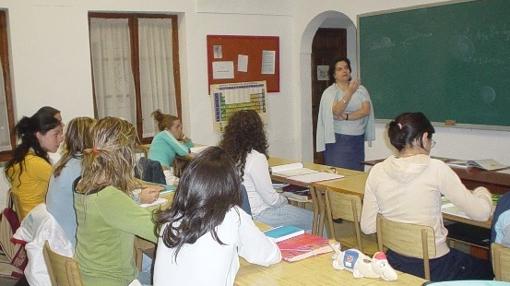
268, 62
242, 63
223, 70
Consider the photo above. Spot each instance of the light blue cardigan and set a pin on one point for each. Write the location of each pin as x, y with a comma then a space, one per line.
325, 129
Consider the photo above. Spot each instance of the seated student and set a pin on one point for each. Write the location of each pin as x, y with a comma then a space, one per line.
29, 170
170, 141
59, 199
500, 228
108, 217
205, 230
245, 141
407, 187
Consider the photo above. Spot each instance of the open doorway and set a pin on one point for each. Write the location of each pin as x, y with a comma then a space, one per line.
329, 35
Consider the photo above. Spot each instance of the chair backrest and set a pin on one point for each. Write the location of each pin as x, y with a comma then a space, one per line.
343, 206
14, 203
501, 261
63, 271
346, 207
407, 239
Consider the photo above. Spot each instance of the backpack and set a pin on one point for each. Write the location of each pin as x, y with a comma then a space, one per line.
13, 257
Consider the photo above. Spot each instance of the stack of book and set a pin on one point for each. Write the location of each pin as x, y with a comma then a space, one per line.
296, 245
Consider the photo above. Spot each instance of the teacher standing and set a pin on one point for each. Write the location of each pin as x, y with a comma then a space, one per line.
346, 119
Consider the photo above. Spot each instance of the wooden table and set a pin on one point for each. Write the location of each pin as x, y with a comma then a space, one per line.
317, 203
498, 182
311, 271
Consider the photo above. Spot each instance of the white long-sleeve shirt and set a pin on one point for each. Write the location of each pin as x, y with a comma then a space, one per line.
257, 182
206, 262
409, 190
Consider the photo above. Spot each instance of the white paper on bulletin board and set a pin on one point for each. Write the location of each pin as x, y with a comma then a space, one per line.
229, 98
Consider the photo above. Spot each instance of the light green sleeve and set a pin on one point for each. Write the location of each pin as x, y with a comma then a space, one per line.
120, 211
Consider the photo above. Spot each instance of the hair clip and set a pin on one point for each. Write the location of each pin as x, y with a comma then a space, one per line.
399, 125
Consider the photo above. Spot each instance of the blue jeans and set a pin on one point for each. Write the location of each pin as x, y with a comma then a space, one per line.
286, 215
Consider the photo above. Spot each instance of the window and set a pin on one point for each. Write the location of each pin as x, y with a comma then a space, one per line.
7, 132
135, 67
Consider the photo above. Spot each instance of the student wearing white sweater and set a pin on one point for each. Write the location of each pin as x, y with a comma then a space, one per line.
205, 230
245, 141
408, 186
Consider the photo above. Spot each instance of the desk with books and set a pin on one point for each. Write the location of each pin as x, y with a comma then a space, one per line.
316, 270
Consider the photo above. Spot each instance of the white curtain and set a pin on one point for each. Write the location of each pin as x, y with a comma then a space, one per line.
111, 66
5, 139
156, 70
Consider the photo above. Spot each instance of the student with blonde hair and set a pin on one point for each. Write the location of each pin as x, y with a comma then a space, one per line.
108, 216
170, 141
59, 199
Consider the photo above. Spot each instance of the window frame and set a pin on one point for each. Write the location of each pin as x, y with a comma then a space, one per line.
6, 66
135, 60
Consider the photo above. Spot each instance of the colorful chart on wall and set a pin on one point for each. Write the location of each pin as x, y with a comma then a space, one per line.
231, 97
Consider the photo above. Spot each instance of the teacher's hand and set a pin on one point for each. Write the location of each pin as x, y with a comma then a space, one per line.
353, 86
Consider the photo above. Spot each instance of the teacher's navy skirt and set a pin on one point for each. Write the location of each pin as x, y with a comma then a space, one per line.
347, 152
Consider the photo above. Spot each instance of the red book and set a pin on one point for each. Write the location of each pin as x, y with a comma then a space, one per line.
303, 246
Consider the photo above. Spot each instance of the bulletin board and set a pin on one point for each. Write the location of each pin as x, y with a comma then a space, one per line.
228, 98
226, 55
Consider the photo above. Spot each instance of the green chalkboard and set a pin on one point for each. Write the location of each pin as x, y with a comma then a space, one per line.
451, 62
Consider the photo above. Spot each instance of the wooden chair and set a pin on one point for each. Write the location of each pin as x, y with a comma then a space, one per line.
407, 239
348, 208
14, 204
501, 261
63, 271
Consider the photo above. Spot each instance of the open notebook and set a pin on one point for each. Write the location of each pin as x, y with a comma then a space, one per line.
297, 172
485, 164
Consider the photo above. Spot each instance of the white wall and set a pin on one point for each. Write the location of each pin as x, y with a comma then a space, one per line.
49, 42
452, 142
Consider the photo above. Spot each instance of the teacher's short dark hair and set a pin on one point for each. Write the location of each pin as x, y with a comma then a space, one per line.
407, 127
332, 67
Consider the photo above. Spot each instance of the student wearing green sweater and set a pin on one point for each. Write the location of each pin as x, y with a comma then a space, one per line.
108, 217
170, 141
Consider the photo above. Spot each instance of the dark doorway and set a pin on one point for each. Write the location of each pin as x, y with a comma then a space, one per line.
328, 44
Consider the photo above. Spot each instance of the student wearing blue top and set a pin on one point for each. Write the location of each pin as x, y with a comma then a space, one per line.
345, 120
59, 199
170, 141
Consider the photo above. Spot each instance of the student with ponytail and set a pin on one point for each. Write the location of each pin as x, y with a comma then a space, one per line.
108, 217
407, 187
170, 141
29, 170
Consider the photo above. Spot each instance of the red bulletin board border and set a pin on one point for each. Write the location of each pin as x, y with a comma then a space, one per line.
252, 46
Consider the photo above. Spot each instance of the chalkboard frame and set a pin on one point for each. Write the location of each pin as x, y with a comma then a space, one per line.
409, 8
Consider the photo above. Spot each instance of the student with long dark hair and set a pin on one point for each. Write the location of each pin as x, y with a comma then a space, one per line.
407, 187
245, 141
205, 229
29, 170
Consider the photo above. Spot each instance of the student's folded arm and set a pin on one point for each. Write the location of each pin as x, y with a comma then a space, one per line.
262, 181
254, 245
477, 204
120, 211
369, 211
180, 148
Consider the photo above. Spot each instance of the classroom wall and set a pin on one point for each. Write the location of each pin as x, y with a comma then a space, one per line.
51, 64
451, 142
51, 60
